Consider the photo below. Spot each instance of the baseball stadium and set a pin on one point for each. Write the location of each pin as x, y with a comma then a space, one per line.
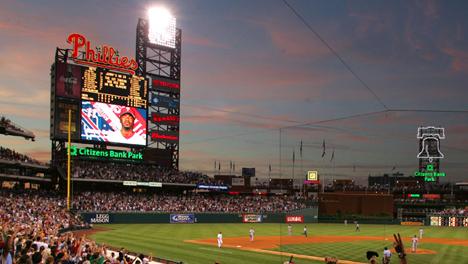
288, 132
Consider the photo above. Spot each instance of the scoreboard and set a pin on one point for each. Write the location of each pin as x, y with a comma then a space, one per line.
105, 86
453, 221
98, 98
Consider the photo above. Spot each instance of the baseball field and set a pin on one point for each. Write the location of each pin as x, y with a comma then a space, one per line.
196, 243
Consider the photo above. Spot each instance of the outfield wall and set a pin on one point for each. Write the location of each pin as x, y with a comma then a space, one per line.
308, 215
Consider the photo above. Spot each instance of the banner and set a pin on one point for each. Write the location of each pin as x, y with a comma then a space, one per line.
294, 219
182, 218
100, 219
411, 223
251, 218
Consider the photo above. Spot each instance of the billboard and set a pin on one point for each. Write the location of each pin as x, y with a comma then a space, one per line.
165, 136
68, 80
165, 119
182, 218
294, 219
61, 119
110, 123
165, 102
249, 172
165, 85
252, 218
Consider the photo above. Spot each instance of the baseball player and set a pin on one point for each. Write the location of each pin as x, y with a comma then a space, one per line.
387, 254
220, 239
251, 234
414, 244
357, 227
421, 232
305, 231
289, 230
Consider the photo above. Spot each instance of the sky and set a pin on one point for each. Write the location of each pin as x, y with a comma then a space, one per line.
257, 80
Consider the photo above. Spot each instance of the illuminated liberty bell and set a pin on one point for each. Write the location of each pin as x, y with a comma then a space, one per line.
430, 142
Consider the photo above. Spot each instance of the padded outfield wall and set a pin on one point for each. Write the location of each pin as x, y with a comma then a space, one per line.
308, 215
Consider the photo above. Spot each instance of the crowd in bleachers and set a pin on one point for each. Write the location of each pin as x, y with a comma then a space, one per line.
11, 155
135, 172
99, 201
35, 229
453, 212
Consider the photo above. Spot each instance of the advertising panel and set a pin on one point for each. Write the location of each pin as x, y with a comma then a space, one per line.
100, 219
165, 119
109, 123
165, 102
252, 218
182, 218
165, 136
166, 85
294, 219
61, 119
68, 80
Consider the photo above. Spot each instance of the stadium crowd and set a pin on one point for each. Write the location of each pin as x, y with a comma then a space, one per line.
135, 172
34, 230
11, 155
100, 201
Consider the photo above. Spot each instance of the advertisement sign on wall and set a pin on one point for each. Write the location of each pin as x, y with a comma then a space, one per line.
182, 218
252, 218
294, 219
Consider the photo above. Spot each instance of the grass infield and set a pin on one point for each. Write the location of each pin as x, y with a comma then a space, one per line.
446, 244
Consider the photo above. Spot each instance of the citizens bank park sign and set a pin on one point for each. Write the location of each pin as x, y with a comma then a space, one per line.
106, 153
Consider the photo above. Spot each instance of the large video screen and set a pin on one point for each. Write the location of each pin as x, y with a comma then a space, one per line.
110, 123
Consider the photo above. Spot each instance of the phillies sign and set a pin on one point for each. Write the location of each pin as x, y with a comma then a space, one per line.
104, 56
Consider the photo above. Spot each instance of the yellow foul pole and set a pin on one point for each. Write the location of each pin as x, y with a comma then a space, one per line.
68, 159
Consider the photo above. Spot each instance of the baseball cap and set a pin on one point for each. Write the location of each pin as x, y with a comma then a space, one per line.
127, 112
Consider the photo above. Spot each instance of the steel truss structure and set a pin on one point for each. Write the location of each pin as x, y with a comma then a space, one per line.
158, 61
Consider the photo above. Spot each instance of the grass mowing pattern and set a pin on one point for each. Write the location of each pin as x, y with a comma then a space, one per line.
166, 240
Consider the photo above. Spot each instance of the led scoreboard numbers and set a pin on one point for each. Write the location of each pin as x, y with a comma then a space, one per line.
449, 221
110, 87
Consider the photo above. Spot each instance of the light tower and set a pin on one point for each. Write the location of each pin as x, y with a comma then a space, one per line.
158, 54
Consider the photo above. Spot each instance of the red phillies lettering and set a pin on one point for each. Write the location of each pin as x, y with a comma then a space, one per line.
106, 56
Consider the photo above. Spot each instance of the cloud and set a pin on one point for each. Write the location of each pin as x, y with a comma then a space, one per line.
203, 42
459, 59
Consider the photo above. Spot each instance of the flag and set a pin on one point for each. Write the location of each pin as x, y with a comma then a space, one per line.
219, 165
323, 148
393, 168
300, 149
294, 156
230, 165
333, 156
215, 164
234, 166
269, 167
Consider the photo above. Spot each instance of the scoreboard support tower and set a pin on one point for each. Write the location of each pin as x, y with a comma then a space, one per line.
157, 61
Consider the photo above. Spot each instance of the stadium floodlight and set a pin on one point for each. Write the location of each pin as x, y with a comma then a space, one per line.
162, 27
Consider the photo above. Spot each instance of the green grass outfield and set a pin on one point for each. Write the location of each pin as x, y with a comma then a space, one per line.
166, 240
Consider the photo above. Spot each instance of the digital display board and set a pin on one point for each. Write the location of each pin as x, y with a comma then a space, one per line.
105, 86
453, 221
111, 123
165, 119
166, 85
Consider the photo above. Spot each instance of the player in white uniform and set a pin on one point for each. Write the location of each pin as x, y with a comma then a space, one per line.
289, 230
220, 239
421, 232
414, 244
357, 227
251, 234
305, 231
387, 254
